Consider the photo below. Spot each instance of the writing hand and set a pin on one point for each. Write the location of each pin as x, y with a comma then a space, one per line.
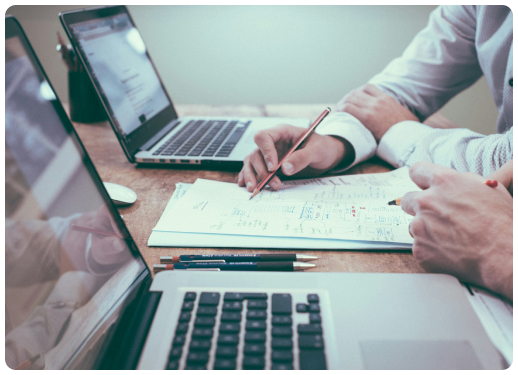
462, 227
319, 154
104, 250
108, 250
376, 110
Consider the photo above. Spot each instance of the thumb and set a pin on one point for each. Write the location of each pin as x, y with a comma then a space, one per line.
299, 160
425, 174
109, 250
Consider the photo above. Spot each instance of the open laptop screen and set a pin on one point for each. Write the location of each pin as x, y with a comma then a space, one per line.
63, 278
116, 58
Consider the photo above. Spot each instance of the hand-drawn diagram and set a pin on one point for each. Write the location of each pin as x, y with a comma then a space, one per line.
339, 212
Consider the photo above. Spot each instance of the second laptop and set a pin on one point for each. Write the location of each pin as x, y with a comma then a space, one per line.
138, 107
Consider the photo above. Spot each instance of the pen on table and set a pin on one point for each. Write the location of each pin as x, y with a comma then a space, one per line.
27, 363
235, 266
293, 148
222, 258
94, 231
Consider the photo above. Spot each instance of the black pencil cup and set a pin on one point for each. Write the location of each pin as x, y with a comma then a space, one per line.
85, 105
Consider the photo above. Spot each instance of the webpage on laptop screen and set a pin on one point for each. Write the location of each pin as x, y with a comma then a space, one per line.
117, 58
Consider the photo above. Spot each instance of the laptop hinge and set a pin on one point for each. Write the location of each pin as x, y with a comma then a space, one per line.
131, 331
158, 136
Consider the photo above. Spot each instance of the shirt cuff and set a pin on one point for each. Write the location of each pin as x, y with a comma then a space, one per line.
398, 143
345, 125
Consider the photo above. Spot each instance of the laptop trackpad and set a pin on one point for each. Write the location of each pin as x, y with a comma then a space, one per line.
419, 355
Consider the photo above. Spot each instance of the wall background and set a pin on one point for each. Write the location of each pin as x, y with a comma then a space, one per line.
265, 54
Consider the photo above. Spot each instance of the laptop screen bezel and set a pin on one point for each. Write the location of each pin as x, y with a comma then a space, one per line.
131, 143
14, 29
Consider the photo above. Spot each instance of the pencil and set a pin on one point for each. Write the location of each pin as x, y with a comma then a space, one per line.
223, 258
94, 231
27, 363
490, 183
293, 148
395, 202
235, 266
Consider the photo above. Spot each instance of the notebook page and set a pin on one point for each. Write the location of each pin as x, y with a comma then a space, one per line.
308, 211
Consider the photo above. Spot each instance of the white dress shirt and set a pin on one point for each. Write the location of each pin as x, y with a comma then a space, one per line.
457, 47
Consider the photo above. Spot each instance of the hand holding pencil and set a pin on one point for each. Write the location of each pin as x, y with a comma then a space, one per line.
319, 154
98, 236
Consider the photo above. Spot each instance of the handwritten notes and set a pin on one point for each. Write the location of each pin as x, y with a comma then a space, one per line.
396, 178
303, 211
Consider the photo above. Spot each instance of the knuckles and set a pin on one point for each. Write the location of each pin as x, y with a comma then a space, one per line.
261, 136
421, 256
424, 202
417, 227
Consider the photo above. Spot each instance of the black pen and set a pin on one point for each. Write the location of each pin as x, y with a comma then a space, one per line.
235, 266
222, 258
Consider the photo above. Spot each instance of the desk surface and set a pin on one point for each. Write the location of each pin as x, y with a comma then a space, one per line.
154, 186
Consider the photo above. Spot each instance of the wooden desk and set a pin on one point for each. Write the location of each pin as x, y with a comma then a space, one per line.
154, 186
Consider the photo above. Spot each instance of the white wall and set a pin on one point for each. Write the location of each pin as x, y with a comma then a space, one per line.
266, 54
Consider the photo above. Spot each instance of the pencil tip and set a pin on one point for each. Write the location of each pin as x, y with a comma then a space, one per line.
392, 203
254, 193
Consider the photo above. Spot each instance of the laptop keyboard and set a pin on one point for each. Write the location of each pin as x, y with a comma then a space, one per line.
250, 331
204, 137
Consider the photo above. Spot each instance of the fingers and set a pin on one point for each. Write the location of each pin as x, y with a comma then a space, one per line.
426, 174
267, 139
410, 202
356, 103
249, 179
296, 162
109, 250
254, 170
372, 90
302, 158
104, 220
504, 175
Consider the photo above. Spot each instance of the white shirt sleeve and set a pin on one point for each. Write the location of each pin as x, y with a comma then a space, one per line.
460, 149
440, 62
345, 125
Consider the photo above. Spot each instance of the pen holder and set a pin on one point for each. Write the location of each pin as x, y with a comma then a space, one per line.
85, 105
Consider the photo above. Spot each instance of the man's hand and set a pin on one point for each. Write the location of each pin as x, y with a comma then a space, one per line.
105, 250
320, 153
462, 227
376, 110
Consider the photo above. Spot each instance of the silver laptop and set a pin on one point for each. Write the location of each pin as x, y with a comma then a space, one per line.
138, 106
79, 295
